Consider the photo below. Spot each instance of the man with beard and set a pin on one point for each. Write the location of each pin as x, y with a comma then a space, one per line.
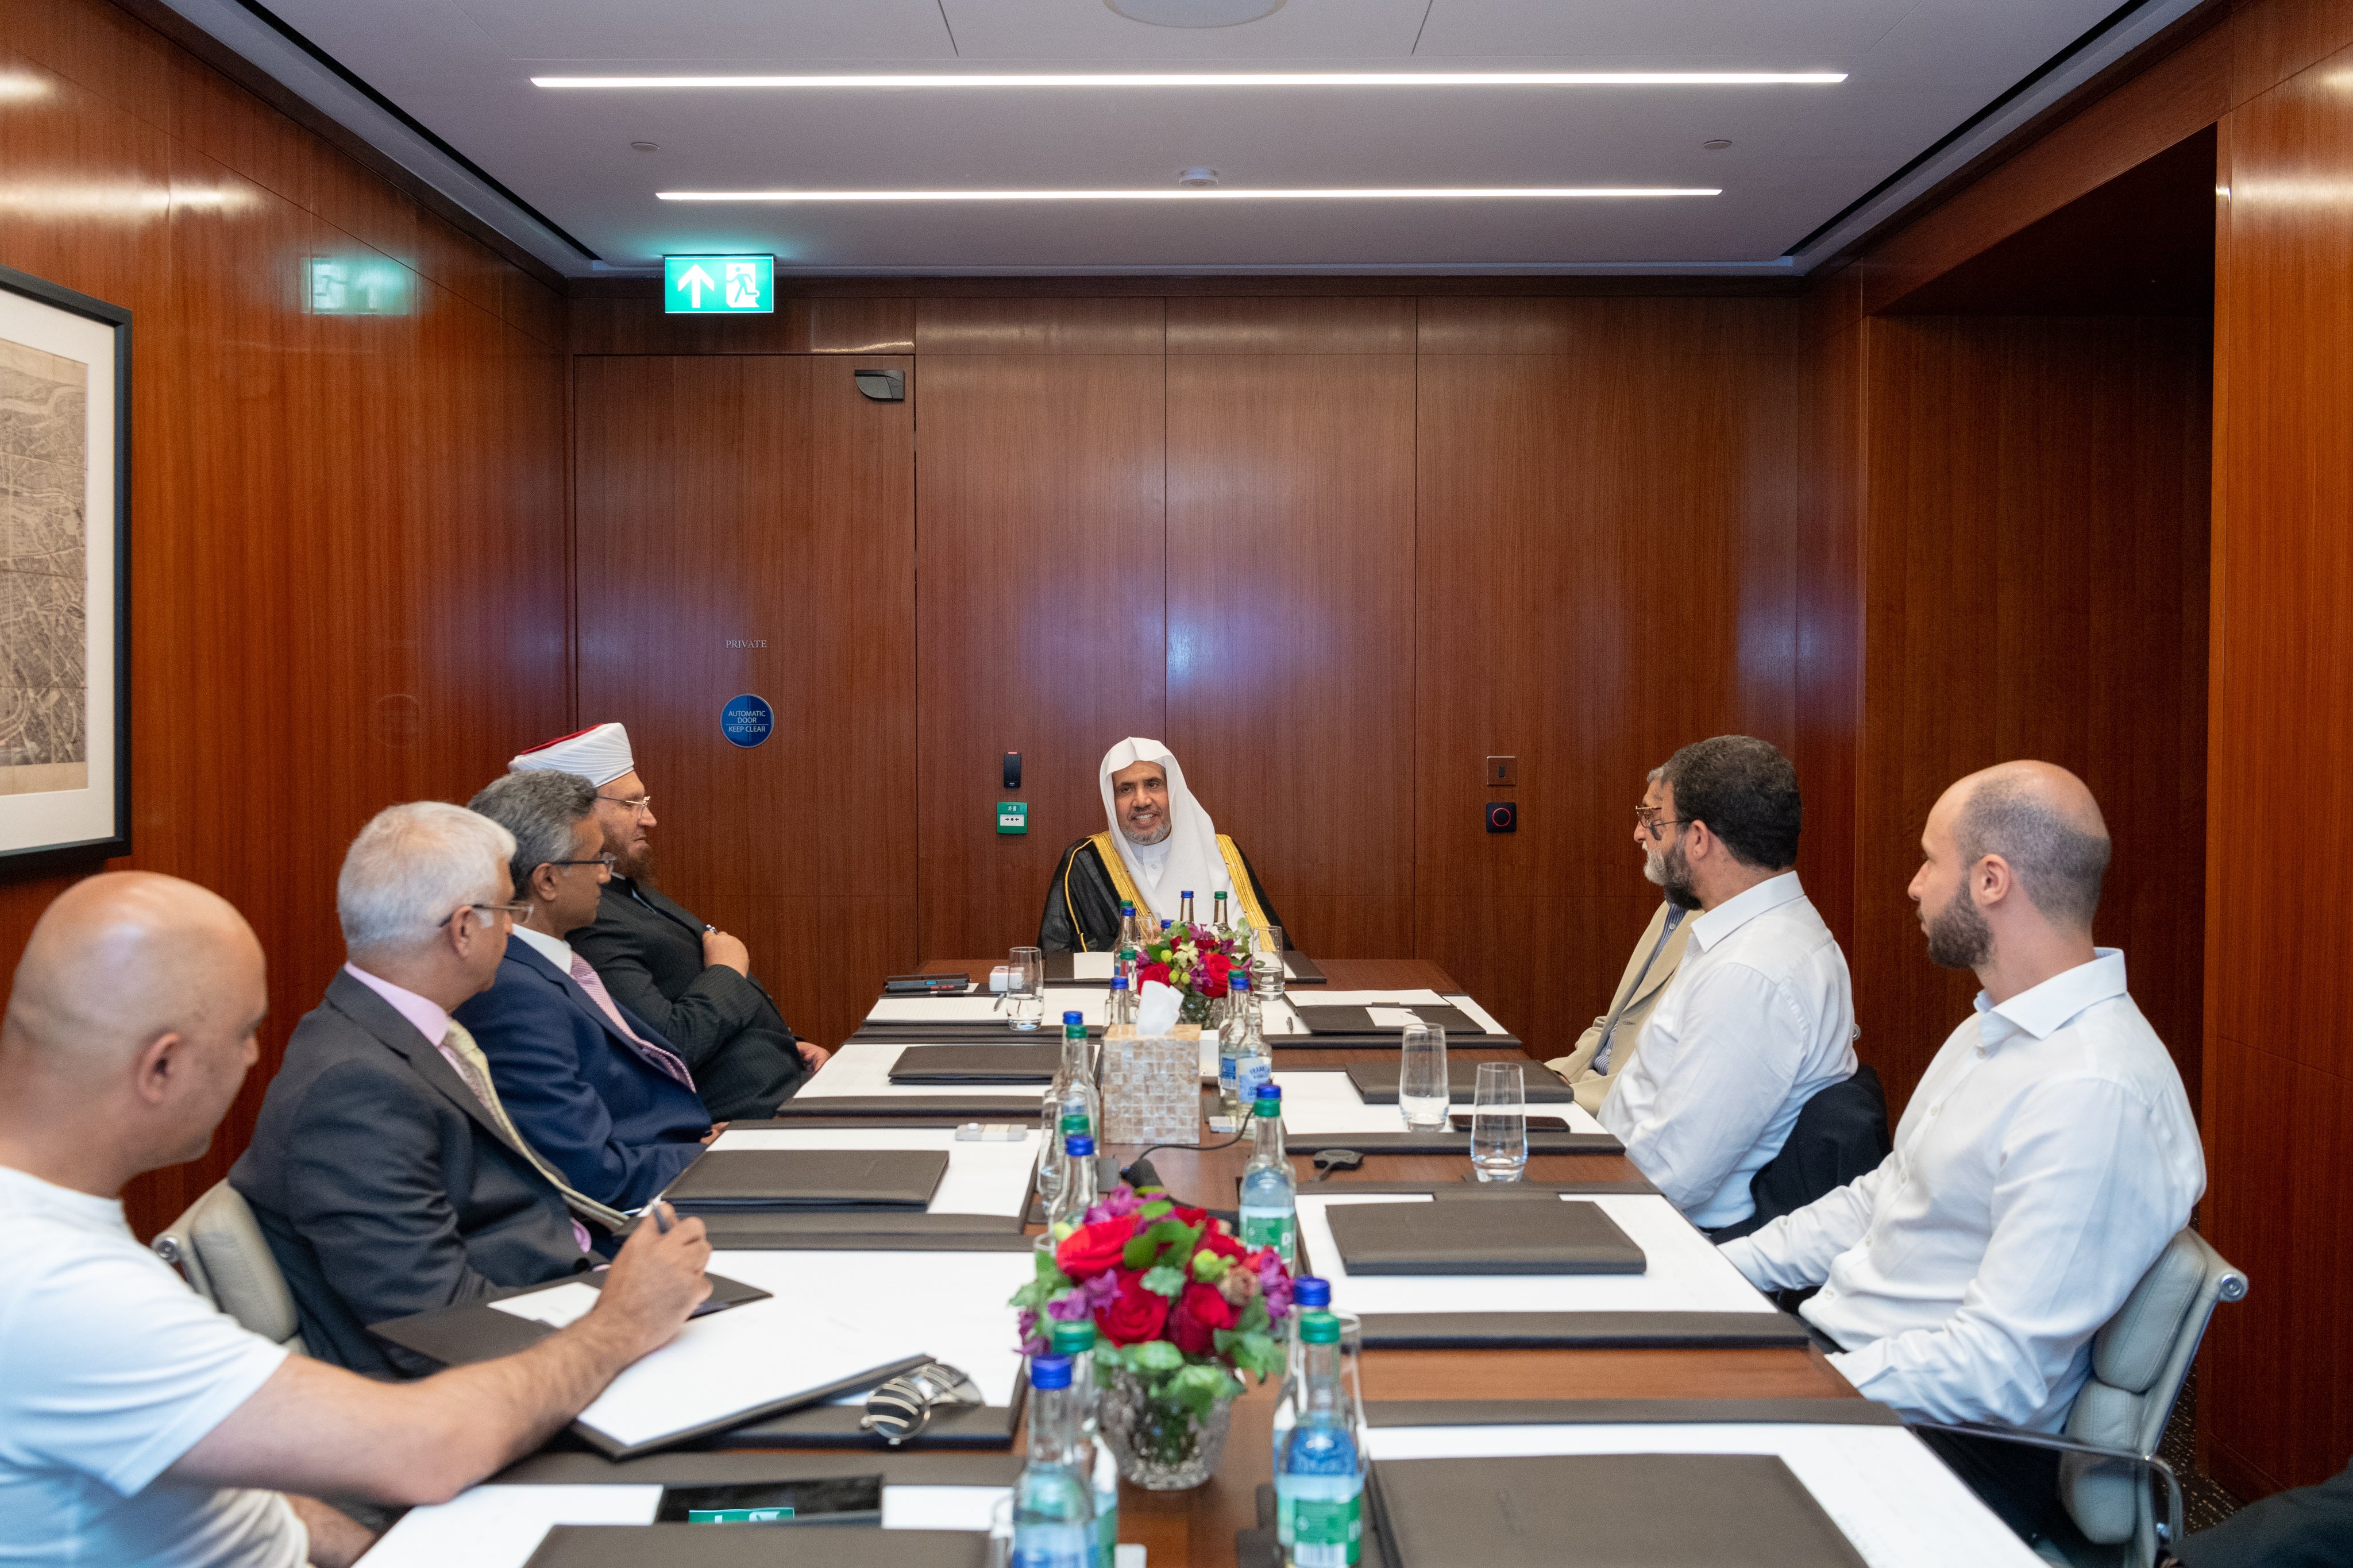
1759, 1018
1603, 1050
2047, 1157
691, 980
1161, 846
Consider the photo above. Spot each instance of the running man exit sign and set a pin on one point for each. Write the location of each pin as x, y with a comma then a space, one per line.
719, 285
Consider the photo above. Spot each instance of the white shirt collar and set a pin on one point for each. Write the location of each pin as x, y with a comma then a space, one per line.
553, 949
1729, 916
2042, 1010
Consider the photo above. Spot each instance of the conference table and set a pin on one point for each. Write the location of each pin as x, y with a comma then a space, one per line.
1197, 1527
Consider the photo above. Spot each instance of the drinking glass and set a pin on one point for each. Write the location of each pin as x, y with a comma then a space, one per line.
1499, 1124
1266, 964
1025, 988
1422, 1089
1000, 1533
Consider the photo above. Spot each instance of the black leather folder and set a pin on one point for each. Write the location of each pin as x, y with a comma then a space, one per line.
1604, 1510
757, 1546
460, 1336
1035, 1064
749, 1180
1376, 1083
1323, 1019
1533, 1235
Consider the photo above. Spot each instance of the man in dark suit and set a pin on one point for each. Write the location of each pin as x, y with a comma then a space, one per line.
595, 1088
381, 1169
658, 959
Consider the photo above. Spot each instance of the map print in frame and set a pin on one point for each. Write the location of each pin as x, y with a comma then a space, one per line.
65, 363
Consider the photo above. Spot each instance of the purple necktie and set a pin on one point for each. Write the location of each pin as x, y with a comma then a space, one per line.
603, 1000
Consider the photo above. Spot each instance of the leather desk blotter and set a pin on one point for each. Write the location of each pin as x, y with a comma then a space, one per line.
741, 1179
1377, 1083
1605, 1511
1539, 1236
758, 1546
1321, 1020
977, 1064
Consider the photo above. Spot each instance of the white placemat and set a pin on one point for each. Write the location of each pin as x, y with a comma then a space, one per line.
975, 1009
1895, 1501
982, 1178
1326, 1104
1683, 1273
862, 1069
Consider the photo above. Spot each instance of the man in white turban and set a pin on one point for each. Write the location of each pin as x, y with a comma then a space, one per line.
1160, 846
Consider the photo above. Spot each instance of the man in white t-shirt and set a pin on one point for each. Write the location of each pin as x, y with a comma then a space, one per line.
140, 1428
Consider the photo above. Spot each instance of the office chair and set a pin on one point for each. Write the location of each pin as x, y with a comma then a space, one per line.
2108, 1447
1839, 1135
220, 1251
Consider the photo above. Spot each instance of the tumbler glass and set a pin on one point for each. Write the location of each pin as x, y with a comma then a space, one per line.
1025, 990
1499, 1124
1423, 1093
1266, 964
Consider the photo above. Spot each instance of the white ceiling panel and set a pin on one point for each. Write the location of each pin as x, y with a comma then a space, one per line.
1069, 31
1636, 35
825, 30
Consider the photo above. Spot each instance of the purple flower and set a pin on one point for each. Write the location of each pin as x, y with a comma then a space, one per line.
1032, 1343
1120, 1200
1276, 1282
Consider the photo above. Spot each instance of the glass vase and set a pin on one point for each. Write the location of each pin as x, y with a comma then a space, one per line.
1196, 1008
1159, 1444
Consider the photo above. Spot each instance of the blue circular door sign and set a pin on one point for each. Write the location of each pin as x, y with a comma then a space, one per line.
746, 719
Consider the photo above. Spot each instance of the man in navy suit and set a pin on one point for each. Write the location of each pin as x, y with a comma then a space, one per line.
594, 1088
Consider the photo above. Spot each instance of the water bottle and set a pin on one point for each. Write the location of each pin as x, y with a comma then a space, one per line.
1074, 1194
1077, 1340
1123, 1001
1269, 1210
1308, 1294
1218, 921
1231, 1031
1184, 907
1075, 1082
1319, 1463
1130, 928
1125, 963
1253, 1062
1053, 1502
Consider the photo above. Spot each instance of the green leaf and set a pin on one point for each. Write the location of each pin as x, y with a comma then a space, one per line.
1155, 1355
1165, 1281
1253, 1319
1209, 1267
1198, 1387
1256, 1353
1152, 1211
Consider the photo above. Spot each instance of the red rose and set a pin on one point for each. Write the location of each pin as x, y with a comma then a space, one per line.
1135, 1314
1186, 1216
1200, 1310
1154, 972
1223, 1245
1092, 1249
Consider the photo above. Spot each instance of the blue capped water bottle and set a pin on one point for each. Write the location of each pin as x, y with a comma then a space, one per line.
1053, 1502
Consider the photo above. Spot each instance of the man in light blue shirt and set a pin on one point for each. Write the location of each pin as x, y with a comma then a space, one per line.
1759, 1018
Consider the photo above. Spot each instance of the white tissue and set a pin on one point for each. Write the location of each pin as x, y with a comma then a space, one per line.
1156, 1015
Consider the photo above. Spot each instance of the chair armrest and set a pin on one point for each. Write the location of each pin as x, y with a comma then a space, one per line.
2168, 1533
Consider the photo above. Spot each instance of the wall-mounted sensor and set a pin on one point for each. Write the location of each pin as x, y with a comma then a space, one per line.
1012, 769
1502, 817
881, 386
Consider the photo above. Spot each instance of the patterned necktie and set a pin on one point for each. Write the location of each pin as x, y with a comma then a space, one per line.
605, 1003
475, 1068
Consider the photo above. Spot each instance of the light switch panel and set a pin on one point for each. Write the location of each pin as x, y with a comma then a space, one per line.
1502, 769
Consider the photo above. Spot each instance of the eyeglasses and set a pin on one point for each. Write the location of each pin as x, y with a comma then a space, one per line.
513, 913
638, 804
1646, 816
608, 860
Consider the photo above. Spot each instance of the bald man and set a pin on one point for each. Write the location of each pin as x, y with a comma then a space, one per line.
2044, 1161
139, 1427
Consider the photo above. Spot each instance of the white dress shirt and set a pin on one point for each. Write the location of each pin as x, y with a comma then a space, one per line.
1757, 1021
2043, 1163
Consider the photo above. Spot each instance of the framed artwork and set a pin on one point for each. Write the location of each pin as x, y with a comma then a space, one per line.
65, 609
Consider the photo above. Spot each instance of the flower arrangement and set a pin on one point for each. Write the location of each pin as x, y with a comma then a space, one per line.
1179, 1305
1190, 959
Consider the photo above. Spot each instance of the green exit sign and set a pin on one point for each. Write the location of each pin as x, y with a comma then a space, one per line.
719, 285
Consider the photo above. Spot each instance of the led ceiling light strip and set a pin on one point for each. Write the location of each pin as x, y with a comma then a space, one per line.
1226, 79
1436, 193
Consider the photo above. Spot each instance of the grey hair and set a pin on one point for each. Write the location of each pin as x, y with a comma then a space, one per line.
539, 807
410, 867
2059, 864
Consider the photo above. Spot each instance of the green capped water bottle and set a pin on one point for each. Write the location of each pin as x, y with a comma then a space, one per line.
1270, 1202
1053, 1501
1077, 1340
1319, 1463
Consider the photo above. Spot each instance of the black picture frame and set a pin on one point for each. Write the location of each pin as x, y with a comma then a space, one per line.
116, 838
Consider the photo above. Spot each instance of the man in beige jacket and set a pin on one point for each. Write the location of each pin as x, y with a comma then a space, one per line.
1604, 1049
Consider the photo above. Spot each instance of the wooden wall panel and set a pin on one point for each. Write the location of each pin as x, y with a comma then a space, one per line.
2035, 532
745, 524
1042, 602
2279, 1015
1608, 562
348, 534
1291, 611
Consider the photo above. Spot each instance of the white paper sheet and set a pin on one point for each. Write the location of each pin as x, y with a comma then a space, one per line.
559, 1306
1478, 1015
862, 1067
939, 1508
501, 1526
981, 1178
974, 1009
1277, 1016
1895, 1501
1326, 1104
1392, 1017
831, 1315
1092, 965
1683, 1272
1091, 1005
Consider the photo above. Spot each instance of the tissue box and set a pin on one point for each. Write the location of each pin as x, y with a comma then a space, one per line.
1151, 1086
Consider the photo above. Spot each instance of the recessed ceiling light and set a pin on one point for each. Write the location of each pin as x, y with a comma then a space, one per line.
645, 146
1223, 80
1215, 193
1198, 179
1718, 145
1195, 13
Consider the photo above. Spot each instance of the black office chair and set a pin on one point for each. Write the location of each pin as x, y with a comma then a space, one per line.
1841, 1134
